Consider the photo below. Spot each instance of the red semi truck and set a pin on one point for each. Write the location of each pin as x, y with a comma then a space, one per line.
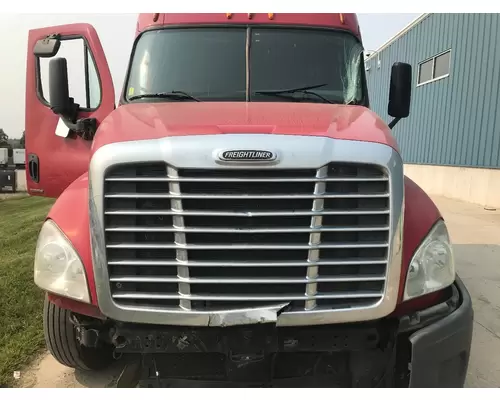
242, 216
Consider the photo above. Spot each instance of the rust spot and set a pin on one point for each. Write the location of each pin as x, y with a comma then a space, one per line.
156, 16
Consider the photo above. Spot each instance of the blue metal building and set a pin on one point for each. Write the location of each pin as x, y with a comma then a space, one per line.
455, 111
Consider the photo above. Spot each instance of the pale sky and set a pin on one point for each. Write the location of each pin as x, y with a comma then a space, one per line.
116, 32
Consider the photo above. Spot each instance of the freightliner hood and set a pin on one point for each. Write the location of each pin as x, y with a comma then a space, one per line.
141, 121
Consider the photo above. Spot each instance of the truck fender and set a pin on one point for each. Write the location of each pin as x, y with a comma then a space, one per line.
70, 213
420, 215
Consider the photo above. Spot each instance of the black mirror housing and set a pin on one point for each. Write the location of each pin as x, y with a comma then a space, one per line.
47, 47
400, 90
58, 86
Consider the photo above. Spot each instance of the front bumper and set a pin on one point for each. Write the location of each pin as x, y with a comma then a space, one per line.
429, 348
440, 351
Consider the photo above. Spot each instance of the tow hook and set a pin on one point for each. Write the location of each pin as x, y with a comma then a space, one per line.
86, 336
118, 341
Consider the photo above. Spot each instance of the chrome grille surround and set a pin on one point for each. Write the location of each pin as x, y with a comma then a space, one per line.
295, 152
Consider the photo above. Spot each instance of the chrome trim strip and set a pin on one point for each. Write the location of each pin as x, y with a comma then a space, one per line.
177, 179
248, 246
196, 152
246, 213
253, 196
167, 279
180, 238
246, 264
315, 239
255, 230
166, 296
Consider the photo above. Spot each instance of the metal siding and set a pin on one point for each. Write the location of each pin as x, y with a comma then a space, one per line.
493, 106
483, 151
474, 124
451, 26
453, 121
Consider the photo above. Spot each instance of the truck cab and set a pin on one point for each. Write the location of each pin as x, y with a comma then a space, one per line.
241, 216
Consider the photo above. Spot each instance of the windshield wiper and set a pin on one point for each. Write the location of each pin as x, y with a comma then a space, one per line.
304, 90
293, 90
174, 95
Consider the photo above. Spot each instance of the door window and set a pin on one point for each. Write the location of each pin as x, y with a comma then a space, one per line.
83, 79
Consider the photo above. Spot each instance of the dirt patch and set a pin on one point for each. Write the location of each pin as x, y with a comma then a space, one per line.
46, 372
4, 196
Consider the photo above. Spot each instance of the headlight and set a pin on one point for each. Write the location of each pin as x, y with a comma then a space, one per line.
432, 267
58, 269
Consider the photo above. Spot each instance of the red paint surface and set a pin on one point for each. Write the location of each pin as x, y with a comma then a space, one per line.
146, 21
70, 213
420, 215
62, 160
142, 121
76, 306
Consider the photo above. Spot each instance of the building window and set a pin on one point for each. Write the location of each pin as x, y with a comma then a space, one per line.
434, 68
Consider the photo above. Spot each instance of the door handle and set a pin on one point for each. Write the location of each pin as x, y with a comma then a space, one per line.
34, 167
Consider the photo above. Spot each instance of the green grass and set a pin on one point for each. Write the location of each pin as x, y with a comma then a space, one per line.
21, 302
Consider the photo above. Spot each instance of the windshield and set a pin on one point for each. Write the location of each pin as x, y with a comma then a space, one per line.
217, 64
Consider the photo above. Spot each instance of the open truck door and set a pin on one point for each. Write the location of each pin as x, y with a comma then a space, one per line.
69, 91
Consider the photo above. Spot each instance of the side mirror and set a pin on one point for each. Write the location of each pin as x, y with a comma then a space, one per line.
60, 102
400, 92
47, 47
65, 106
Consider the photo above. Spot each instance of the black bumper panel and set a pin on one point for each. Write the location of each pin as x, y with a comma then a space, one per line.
436, 347
440, 351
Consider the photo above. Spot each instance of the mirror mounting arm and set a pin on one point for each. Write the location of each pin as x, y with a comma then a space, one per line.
68, 111
84, 127
394, 122
55, 36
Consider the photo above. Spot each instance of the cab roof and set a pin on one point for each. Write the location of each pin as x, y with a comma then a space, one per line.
343, 21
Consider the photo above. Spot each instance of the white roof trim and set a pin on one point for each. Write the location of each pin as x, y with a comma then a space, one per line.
417, 20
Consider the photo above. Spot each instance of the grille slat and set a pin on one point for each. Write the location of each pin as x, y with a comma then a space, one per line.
246, 246
166, 279
229, 230
244, 264
245, 180
250, 196
247, 213
284, 297
220, 239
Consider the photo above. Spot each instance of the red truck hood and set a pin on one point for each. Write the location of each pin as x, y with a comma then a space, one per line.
141, 121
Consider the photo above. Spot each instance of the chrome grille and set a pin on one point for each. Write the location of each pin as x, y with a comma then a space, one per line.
219, 239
